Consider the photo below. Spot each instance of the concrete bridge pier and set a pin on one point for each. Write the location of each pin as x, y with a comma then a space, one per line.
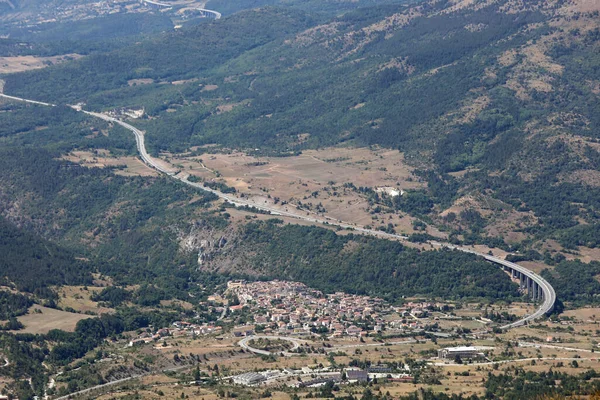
531, 290
526, 283
522, 279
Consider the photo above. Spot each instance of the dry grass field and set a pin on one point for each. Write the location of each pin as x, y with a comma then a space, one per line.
78, 298
316, 179
49, 319
10, 65
129, 165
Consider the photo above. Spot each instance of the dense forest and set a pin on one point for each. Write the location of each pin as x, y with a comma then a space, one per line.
33, 264
575, 281
13, 304
352, 263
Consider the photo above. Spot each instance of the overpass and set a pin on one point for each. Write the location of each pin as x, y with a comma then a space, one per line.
537, 288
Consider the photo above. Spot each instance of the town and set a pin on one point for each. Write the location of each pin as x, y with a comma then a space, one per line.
292, 309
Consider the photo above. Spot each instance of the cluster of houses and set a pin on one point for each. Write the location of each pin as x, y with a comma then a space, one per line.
293, 308
177, 329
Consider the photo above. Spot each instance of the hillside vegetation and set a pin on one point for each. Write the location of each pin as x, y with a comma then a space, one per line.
492, 106
501, 94
356, 264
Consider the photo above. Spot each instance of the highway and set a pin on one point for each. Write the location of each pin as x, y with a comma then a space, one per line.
216, 14
549, 294
41, 103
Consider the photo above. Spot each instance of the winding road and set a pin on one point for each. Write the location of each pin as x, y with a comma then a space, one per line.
296, 343
549, 295
118, 381
215, 14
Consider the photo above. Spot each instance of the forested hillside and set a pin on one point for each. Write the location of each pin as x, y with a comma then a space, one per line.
502, 95
495, 105
487, 112
33, 264
117, 222
357, 264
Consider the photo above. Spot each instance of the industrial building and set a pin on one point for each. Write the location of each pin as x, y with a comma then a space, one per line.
249, 378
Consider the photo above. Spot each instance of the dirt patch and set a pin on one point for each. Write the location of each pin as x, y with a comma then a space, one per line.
133, 82
184, 81
594, 85
314, 35
48, 319
583, 5
588, 177
177, 303
507, 58
584, 314
400, 64
586, 255
472, 109
535, 266
223, 108
209, 88
10, 65
462, 4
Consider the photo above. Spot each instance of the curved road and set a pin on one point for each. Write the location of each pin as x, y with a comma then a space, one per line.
216, 14
118, 381
548, 291
549, 294
295, 344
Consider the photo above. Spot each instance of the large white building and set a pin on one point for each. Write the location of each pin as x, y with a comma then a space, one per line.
464, 352
249, 378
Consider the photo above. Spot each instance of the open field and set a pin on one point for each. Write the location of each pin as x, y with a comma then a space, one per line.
78, 298
127, 165
9, 65
587, 314
49, 319
317, 180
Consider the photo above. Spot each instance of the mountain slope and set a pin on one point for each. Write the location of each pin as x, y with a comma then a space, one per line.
501, 94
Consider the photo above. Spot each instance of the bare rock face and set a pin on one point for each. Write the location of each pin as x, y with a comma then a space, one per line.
205, 241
